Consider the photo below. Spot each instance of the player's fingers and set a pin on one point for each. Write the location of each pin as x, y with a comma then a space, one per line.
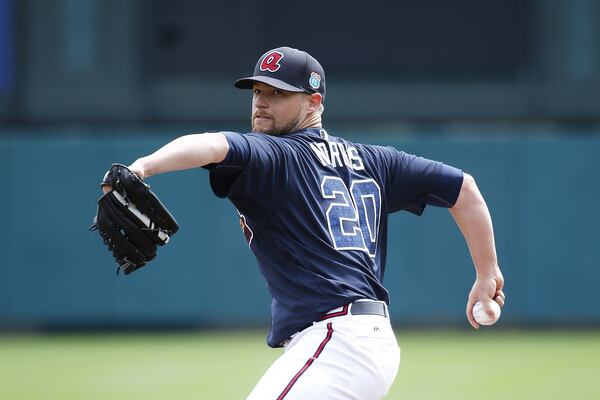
500, 301
106, 189
470, 317
500, 293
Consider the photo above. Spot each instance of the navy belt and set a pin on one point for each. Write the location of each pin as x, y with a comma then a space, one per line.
359, 308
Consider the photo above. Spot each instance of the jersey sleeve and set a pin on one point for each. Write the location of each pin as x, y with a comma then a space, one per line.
415, 182
251, 159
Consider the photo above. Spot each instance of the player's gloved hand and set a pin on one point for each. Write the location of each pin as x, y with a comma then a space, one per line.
484, 289
131, 220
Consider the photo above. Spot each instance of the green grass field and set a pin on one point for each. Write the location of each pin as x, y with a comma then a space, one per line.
435, 365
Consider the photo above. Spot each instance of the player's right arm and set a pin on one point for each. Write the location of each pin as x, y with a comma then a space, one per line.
417, 182
185, 152
473, 218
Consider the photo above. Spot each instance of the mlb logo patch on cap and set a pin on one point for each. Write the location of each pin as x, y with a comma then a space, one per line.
315, 80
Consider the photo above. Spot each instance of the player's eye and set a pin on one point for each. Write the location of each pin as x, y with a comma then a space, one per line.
277, 92
256, 91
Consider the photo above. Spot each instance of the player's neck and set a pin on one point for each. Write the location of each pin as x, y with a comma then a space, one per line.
311, 121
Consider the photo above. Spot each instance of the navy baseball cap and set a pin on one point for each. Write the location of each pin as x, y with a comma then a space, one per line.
287, 69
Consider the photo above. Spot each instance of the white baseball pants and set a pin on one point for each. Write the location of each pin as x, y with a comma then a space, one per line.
351, 357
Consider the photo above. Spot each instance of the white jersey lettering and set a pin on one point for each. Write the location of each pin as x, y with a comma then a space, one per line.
343, 153
356, 161
336, 154
321, 153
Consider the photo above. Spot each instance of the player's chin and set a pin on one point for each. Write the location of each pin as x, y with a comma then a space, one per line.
263, 125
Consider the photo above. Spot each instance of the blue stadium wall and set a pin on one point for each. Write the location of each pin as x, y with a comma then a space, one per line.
541, 184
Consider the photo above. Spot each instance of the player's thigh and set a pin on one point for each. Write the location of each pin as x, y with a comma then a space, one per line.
290, 367
376, 352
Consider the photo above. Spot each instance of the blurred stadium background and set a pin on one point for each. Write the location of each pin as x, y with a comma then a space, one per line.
508, 90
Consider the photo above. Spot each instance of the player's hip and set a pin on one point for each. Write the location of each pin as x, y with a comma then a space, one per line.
351, 356
359, 319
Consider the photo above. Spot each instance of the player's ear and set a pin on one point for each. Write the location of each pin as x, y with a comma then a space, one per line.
314, 102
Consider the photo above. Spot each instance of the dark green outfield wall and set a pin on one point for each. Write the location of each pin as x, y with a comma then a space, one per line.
542, 186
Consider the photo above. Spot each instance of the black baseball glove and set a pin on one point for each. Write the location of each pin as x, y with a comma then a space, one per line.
131, 220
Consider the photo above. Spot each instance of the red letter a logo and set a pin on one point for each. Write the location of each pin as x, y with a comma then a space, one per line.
271, 62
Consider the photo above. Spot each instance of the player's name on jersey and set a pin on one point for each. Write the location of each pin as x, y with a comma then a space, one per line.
337, 154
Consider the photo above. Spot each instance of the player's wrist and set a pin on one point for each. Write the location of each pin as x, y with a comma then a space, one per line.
140, 168
491, 279
488, 270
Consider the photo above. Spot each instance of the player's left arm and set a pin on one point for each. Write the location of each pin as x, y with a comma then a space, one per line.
473, 218
185, 152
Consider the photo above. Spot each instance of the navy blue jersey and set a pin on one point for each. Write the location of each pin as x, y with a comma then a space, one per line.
314, 210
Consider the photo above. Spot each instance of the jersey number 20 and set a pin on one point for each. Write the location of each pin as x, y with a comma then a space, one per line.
353, 216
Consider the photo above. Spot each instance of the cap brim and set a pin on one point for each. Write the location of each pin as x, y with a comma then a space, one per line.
247, 83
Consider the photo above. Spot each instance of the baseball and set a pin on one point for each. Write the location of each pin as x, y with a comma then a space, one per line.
482, 318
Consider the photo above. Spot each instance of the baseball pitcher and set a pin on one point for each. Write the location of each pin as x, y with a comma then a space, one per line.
314, 210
